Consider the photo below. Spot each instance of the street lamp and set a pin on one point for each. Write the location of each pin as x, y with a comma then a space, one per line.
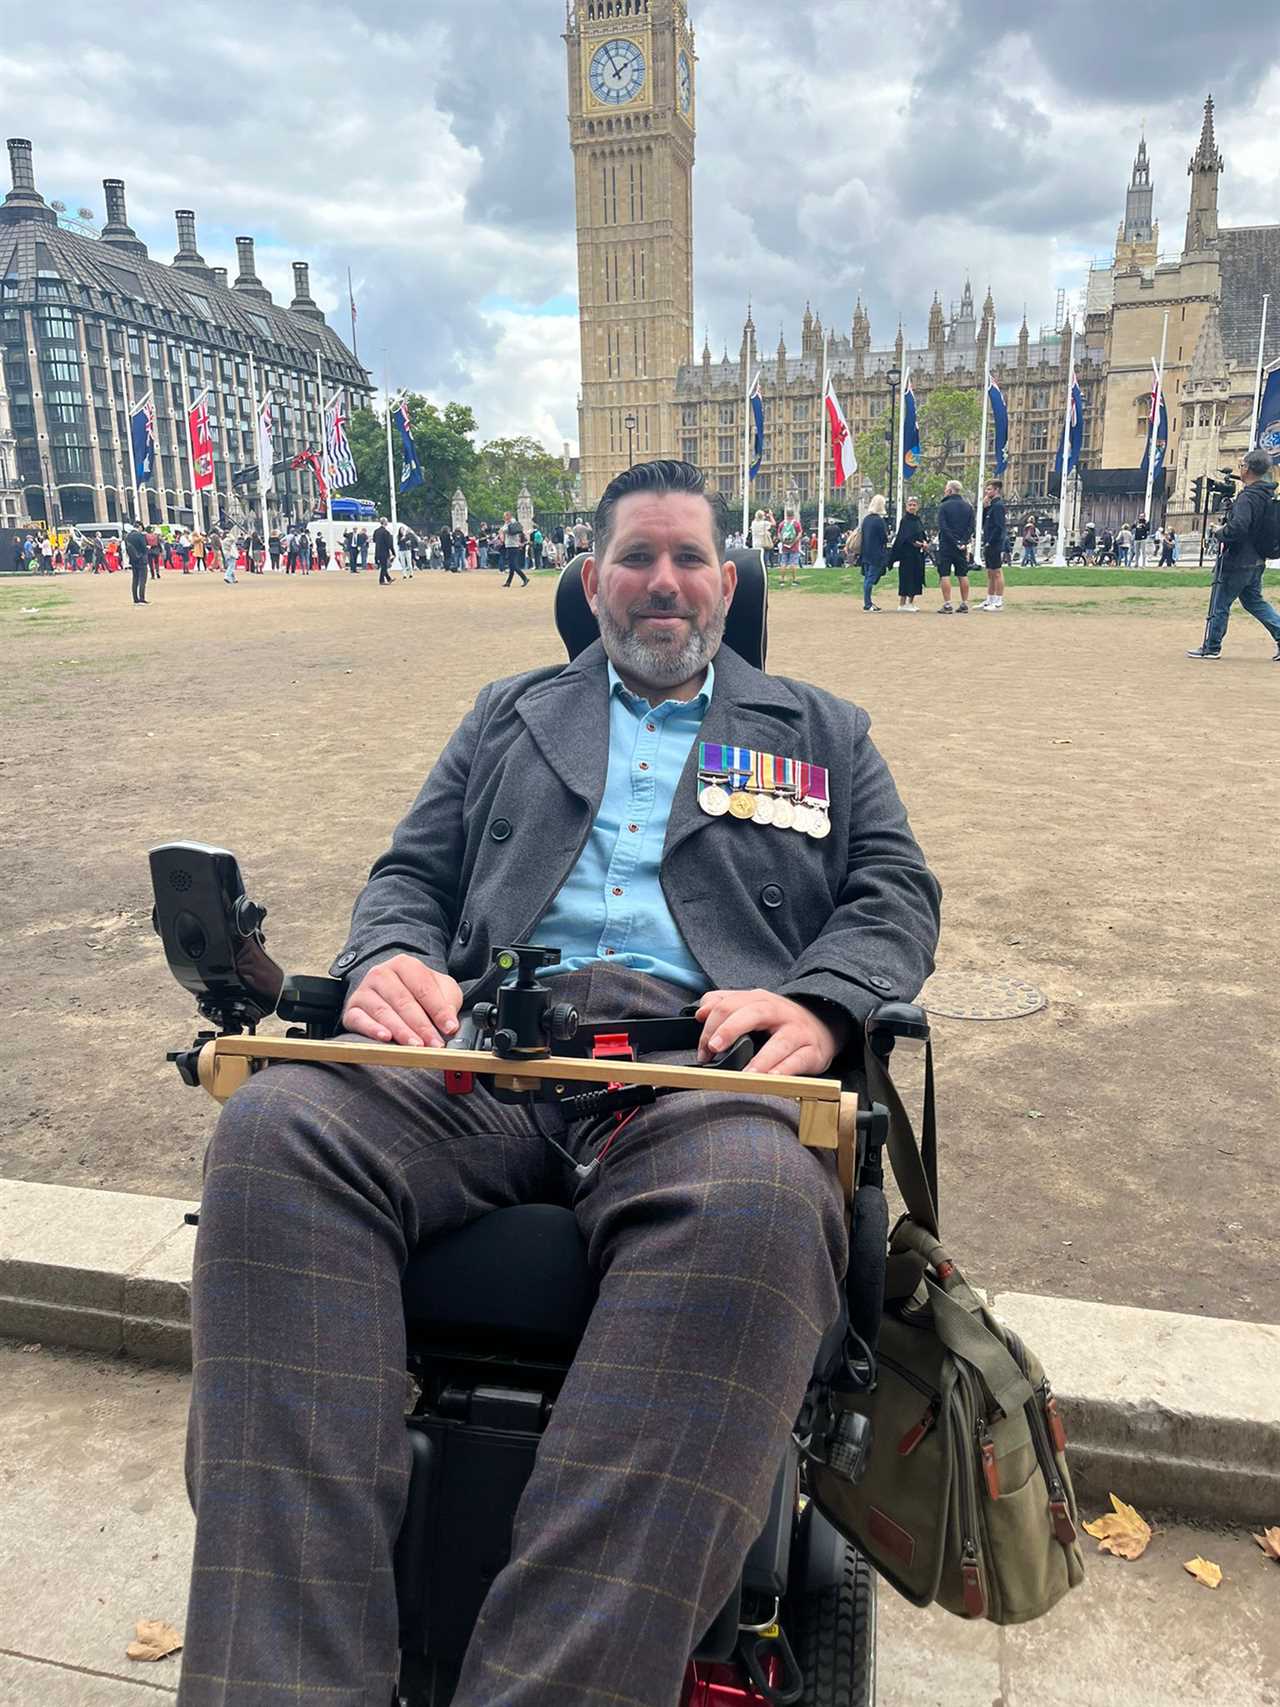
893, 379
630, 424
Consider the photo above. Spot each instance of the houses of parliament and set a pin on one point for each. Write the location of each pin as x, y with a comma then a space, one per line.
632, 120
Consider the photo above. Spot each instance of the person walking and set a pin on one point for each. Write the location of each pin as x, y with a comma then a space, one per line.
761, 534
513, 549
473, 552
1030, 543
955, 543
535, 547
446, 539
1168, 539
1124, 545
993, 525
907, 551
873, 549
231, 558
1244, 540
273, 549
790, 545
197, 553
1141, 534
406, 545
384, 549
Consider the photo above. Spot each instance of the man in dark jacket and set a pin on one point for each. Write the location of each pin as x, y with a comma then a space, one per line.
577, 795
955, 537
139, 554
384, 549
1242, 564
993, 527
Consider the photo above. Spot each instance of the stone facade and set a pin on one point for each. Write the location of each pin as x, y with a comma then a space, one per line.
631, 66
90, 326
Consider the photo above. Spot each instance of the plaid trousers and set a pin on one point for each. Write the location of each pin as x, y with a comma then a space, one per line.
718, 1242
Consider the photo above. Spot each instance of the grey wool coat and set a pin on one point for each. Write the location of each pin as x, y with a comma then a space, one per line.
851, 920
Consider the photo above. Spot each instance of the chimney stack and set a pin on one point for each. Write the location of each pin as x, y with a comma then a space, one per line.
219, 276
247, 281
188, 255
117, 231
24, 201
302, 301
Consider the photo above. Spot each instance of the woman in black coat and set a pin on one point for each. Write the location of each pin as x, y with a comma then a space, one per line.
873, 549
907, 552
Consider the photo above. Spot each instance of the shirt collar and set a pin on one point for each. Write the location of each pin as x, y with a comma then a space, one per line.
698, 703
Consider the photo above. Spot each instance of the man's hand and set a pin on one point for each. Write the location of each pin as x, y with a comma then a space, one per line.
403, 1001
799, 1042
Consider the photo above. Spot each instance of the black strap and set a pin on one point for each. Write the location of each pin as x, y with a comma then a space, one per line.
914, 1167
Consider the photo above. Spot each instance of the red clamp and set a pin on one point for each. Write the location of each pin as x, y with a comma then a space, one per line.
457, 1083
613, 1045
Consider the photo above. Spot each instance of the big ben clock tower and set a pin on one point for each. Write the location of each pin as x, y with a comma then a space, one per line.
631, 126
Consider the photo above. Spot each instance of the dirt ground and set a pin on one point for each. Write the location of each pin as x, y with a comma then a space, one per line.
1101, 812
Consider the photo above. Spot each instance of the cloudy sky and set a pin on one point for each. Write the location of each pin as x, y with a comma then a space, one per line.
855, 145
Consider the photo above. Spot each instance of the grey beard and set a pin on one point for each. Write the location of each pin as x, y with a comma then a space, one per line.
661, 666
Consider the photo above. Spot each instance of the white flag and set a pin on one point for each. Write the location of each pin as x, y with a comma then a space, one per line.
266, 445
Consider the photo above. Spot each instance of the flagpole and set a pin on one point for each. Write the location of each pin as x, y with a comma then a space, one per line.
1257, 380
257, 440
820, 554
322, 417
902, 439
982, 443
142, 520
391, 472
1061, 557
197, 507
1155, 421
746, 449
351, 298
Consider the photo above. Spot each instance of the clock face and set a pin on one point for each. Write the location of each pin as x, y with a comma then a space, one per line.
617, 72
684, 80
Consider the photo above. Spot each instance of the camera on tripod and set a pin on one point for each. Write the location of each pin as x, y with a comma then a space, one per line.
1219, 494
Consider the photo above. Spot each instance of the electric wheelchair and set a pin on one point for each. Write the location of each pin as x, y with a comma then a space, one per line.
487, 1357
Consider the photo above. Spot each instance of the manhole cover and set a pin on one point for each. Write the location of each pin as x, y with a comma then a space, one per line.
981, 995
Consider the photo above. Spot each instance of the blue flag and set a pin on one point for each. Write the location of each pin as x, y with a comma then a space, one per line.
1075, 433
1268, 433
910, 434
411, 468
1161, 436
757, 428
1000, 416
142, 433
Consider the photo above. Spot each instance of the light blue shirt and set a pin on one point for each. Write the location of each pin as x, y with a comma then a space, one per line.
612, 906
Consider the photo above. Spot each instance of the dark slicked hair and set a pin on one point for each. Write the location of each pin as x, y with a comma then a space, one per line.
665, 475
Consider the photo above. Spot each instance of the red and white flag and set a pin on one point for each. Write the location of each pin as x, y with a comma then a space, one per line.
201, 443
844, 462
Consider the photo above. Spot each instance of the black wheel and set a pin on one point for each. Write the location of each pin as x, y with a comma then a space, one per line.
833, 1633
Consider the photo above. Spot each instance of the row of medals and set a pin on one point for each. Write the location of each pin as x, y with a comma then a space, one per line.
776, 809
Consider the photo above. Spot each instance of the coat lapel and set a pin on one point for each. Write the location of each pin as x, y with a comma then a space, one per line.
748, 709
568, 718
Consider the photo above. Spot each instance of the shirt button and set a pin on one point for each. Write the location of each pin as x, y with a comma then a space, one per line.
652, 728
642, 766
616, 891
608, 951
633, 828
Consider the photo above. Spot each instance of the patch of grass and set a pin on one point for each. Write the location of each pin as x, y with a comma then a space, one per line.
15, 600
1153, 580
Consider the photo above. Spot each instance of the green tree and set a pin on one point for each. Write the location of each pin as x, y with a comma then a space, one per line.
503, 466
950, 420
446, 454
872, 451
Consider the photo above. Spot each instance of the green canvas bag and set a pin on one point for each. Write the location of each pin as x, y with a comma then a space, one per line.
966, 1498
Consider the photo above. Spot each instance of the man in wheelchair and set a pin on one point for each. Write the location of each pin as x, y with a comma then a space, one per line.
690, 832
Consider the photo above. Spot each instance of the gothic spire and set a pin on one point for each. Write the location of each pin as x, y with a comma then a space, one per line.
1206, 157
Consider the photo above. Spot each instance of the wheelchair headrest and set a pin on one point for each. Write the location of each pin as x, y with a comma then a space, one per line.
746, 628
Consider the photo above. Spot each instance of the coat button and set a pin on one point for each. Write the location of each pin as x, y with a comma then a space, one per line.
500, 829
464, 932
345, 960
880, 983
772, 895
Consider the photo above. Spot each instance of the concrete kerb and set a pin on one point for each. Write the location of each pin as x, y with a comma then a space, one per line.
1173, 1412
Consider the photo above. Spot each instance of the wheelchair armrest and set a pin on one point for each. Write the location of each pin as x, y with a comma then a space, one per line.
313, 1002
895, 1022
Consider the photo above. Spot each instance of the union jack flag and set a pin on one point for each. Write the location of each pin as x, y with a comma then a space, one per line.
342, 465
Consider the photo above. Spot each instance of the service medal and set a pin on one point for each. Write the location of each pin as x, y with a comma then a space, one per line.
714, 800
764, 809
802, 817
784, 813
742, 805
819, 826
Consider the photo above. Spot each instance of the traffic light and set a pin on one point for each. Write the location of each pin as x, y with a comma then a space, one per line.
1197, 487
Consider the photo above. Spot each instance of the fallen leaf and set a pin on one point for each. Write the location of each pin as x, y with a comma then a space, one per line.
1269, 1541
1062, 743
1204, 1571
155, 1640
1034, 1114
1121, 1531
